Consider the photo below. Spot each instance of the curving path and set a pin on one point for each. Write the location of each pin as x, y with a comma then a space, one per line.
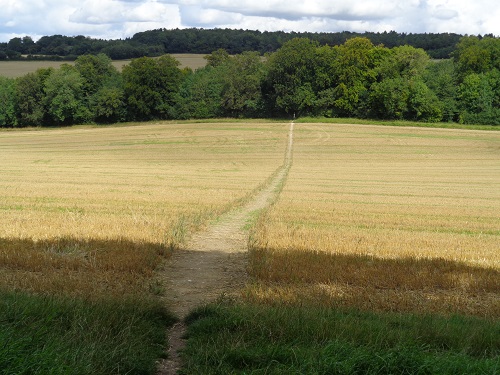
213, 262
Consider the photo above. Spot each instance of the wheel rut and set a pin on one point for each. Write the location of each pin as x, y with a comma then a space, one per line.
213, 262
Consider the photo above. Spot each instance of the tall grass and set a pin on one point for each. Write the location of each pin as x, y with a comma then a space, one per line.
60, 335
259, 339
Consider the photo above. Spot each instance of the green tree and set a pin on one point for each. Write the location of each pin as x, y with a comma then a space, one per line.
95, 71
7, 102
400, 91
389, 98
440, 78
102, 88
477, 66
290, 79
64, 97
242, 76
474, 55
478, 98
404, 61
218, 57
151, 87
200, 94
354, 70
109, 105
31, 97
423, 104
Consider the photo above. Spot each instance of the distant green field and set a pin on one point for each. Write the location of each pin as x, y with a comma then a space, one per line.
15, 69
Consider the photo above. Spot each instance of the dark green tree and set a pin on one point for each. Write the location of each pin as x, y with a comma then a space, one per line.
440, 78
288, 86
7, 102
354, 70
400, 91
31, 98
389, 98
423, 104
474, 55
242, 76
200, 94
217, 58
151, 87
478, 99
64, 97
102, 88
95, 71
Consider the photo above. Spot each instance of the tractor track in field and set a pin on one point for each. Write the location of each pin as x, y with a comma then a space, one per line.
213, 262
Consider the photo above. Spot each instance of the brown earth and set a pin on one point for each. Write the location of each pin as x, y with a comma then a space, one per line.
213, 262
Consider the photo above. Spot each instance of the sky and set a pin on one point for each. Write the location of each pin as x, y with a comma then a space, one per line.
118, 19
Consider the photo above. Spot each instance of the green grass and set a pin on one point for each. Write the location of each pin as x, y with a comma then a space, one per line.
56, 335
445, 125
231, 338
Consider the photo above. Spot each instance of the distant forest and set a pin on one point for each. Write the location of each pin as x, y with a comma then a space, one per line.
204, 41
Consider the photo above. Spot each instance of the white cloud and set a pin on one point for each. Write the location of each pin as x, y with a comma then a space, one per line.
122, 18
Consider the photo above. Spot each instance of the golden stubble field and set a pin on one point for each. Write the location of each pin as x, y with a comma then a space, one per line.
92, 210
385, 218
14, 69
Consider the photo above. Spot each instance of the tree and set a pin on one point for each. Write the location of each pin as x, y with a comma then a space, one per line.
478, 98
474, 56
404, 61
242, 75
423, 104
31, 97
102, 88
95, 71
477, 66
389, 98
64, 97
440, 78
109, 105
151, 86
354, 70
7, 102
289, 83
400, 91
217, 58
200, 94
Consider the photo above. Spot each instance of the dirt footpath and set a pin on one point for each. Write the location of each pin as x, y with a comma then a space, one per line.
213, 263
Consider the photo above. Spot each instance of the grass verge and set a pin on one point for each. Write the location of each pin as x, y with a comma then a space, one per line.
258, 339
64, 335
445, 125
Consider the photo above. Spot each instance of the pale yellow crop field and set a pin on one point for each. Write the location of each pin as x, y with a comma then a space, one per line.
95, 200
386, 218
13, 69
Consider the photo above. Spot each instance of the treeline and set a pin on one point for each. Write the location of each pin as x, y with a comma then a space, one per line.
355, 79
203, 41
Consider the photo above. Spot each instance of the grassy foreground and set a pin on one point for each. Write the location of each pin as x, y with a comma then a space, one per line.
61, 335
231, 338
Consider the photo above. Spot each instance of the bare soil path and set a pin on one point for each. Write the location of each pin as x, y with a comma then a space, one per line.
213, 262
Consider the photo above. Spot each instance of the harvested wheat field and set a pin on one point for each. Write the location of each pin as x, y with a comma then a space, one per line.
385, 219
14, 69
92, 210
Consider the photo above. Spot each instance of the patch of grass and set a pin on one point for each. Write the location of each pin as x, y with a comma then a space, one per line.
445, 125
258, 339
61, 335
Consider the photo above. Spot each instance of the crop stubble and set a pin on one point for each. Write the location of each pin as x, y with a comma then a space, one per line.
90, 211
381, 218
